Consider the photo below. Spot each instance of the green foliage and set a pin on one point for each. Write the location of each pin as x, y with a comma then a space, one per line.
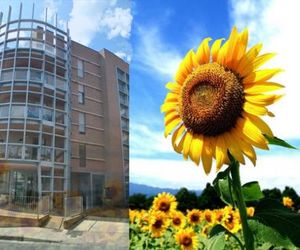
138, 201
186, 199
274, 193
223, 185
265, 234
251, 191
279, 142
209, 199
285, 221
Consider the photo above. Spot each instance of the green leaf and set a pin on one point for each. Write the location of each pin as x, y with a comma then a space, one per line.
251, 191
269, 235
222, 184
216, 230
279, 142
217, 241
285, 221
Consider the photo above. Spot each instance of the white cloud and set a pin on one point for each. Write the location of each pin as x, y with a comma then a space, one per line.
86, 19
52, 7
278, 171
276, 24
147, 142
153, 54
124, 55
118, 21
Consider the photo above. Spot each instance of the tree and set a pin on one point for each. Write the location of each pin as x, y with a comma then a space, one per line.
138, 201
290, 192
186, 199
274, 193
209, 198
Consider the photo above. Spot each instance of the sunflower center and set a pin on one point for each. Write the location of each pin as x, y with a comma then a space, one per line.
157, 224
164, 206
212, 100
176, 221
194, 218
186, 241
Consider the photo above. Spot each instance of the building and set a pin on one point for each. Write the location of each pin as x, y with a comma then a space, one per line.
63, 116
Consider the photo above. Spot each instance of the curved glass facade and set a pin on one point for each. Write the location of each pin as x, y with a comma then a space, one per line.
34, 100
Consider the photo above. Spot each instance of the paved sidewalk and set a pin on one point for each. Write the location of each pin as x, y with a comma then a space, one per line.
104, 234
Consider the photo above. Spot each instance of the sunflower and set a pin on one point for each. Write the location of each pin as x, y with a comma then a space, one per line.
209, 216
178, 219
287, 201
164, 202
250, 211
158, 223
214, 104
194, 216
187, 239
232, 220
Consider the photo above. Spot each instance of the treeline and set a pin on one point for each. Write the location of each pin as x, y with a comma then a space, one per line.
209, 199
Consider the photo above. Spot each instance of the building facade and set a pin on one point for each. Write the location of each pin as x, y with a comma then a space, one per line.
63, 116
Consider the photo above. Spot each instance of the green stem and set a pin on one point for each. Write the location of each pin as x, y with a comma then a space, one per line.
237, 189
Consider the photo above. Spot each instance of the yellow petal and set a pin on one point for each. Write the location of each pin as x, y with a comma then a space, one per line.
233, 38
170, 126
215, 49
261, 75
222, 53
255, 109
262, 87
257, 62
181, 73
221, 152
263, 100
245, 147
196, 148
240, 48
259, 123
169, 106
233, 147
203, 52
252, 133
178, 148
177, 135
189, 61
186, 144
207, 155
174, 87
170, 116
171, 97
248, 58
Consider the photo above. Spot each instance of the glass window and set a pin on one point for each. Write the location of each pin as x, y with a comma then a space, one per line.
32, 138
61, 84
121, 74
35, 75
59, 155
124, 111
123, 99
46, 154
124, 124
21, 74
17, 111
33, 112
125, 137
6, 75
31, 153
4, 111
15, 152
11, 45
122, 86
2, 151
60, 117
12, 35
81, 121
82, 155
49, 79
80, 70
47, 115
80, 94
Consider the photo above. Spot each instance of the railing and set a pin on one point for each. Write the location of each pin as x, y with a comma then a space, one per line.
73, 206
26, 204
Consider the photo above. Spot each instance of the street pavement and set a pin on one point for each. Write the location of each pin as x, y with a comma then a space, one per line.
89, 234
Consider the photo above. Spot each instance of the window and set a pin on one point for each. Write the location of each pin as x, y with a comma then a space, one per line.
80, 68
81, 118
81, 94
82, 155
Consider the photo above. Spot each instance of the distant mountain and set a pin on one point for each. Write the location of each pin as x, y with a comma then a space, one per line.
149, 190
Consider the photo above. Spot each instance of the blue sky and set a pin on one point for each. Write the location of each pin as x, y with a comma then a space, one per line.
94, 23
154, 36
162, 32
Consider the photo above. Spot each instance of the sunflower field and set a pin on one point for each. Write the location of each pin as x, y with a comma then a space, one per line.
163, 226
